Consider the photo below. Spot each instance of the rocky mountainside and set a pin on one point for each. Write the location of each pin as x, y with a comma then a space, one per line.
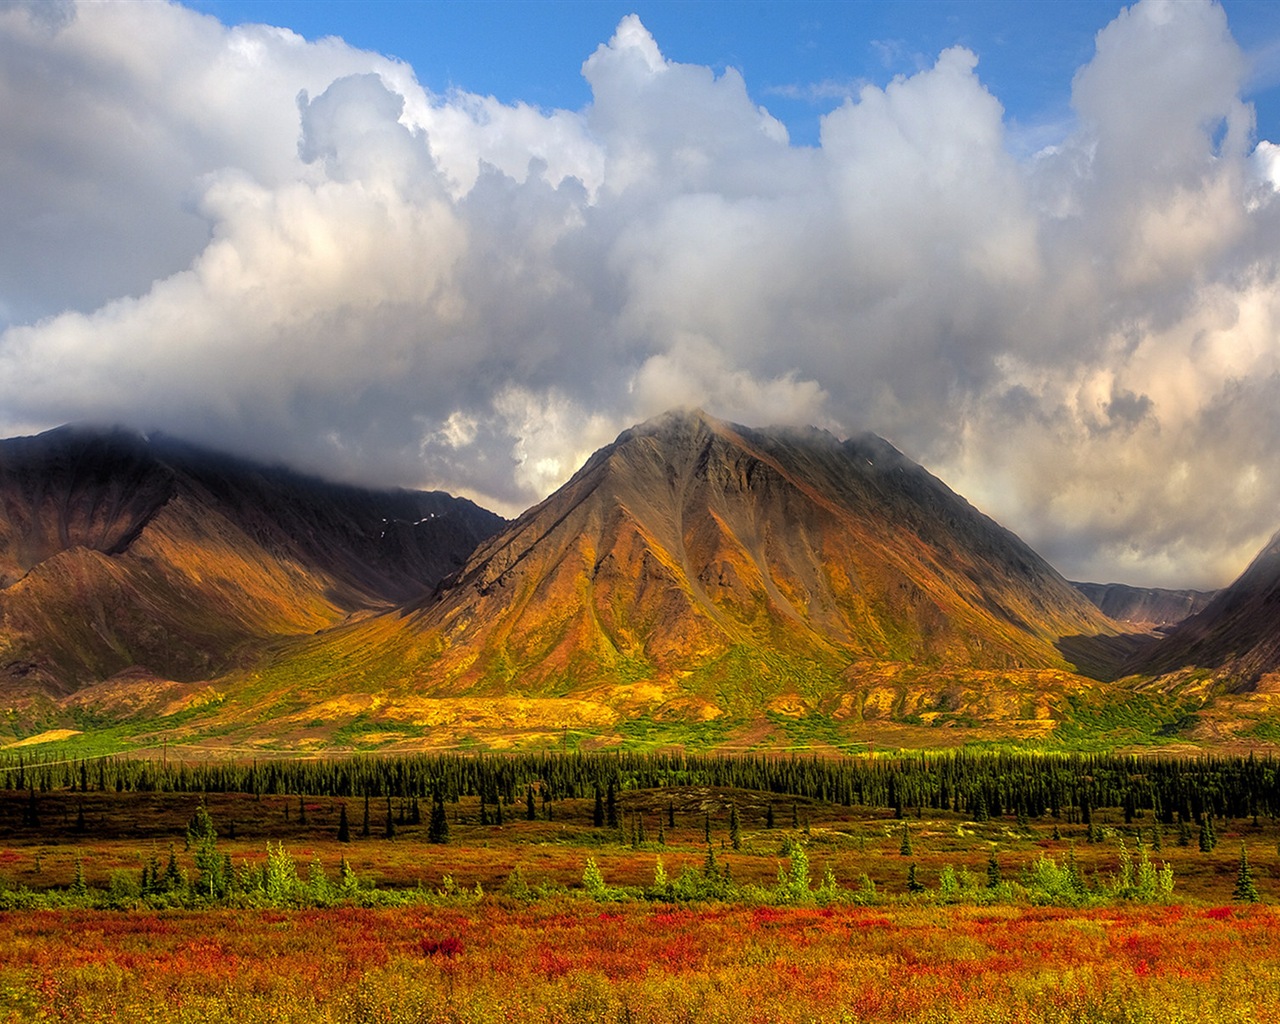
119, 552
730, 567
1145, 607
1233, 643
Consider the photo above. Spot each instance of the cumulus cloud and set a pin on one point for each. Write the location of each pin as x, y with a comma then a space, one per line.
295, 251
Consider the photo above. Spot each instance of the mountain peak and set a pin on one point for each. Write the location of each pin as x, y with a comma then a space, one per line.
711, 558
676, 423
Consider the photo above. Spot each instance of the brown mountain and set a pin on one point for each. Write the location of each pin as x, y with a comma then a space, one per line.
119, 552
1233, 644
700, 568
1150, 608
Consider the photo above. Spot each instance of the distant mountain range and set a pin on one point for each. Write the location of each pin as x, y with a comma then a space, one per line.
1145, 607
695, 583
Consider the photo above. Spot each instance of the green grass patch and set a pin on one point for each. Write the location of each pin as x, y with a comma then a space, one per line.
1103, 722
645, 734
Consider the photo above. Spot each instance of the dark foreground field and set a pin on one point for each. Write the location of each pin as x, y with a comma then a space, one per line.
703, 902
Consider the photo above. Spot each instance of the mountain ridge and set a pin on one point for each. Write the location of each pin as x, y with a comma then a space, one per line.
122, 552
1233, 642
694, 581
1154, 608
736, 536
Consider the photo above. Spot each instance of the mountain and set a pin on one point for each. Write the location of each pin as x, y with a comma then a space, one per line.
703, 572
1233, 643
1145, 607
121, 552
689, 539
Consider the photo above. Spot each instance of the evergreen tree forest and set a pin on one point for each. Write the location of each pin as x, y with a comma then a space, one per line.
1022, 786
929, 810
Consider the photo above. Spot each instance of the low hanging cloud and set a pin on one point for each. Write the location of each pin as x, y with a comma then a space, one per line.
294, 251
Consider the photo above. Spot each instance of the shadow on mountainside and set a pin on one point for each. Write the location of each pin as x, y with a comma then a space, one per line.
1104, 656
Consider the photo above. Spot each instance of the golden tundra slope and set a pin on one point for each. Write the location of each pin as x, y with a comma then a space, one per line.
694, 569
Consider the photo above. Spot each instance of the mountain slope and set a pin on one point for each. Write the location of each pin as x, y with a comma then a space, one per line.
118, 552
714, 568
1145, 607
1234, 642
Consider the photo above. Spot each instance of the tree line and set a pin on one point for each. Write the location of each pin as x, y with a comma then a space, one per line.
1070, 787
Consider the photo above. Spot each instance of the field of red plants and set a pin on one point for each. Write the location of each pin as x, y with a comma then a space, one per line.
701, 903
572, 960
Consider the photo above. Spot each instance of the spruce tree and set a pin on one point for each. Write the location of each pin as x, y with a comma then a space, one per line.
530, 810
172, 878
364, 828
438, 824
1206, 834
768, 817
1073, 871
1245, 891
611, 808
302, 811
671, 814
151, 874
993, 870
735, 827
389, 832
904, 849
914, 885
597, 813
344, 830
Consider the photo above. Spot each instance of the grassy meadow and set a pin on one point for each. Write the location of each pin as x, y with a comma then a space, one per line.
795, 909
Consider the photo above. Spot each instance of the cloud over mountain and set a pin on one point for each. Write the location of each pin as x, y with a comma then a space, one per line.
294, 250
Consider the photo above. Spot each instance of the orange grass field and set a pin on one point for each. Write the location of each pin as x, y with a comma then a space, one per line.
462, 955
570, 960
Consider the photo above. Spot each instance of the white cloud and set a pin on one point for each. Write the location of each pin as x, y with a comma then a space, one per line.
294, 250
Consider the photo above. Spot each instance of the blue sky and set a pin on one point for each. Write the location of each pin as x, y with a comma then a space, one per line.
1034, 245
796, 57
